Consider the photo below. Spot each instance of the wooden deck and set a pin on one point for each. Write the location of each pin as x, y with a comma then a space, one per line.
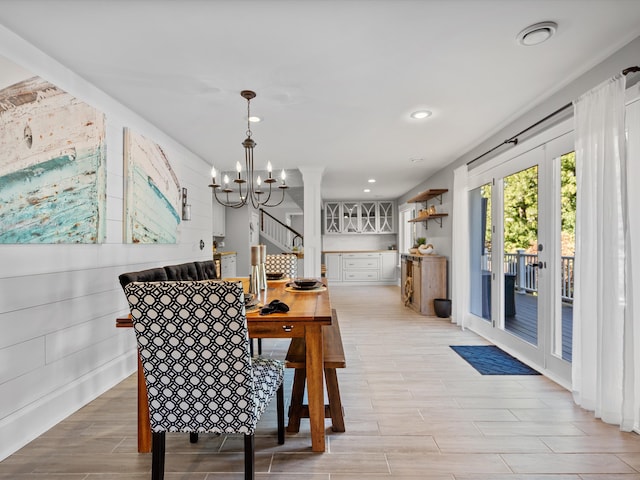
524, 323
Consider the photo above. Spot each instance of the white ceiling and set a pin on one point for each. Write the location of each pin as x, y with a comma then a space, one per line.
336, 79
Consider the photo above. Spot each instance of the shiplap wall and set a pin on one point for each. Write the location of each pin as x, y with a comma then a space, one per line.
59, 347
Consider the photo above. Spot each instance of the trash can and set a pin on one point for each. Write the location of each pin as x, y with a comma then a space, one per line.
442, 307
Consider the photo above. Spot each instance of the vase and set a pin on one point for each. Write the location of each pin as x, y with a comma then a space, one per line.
442, 307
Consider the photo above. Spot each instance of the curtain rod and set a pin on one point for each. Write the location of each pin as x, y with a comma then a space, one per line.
514, 138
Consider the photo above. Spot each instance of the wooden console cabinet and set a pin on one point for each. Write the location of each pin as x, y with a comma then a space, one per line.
428, 279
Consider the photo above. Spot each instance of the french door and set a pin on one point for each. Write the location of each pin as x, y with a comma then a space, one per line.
522, 214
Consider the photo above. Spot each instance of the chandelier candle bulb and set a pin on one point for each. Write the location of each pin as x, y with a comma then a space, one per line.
213, 178
239, 170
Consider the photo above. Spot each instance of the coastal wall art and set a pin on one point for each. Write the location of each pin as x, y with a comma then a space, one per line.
152, 192
52, 166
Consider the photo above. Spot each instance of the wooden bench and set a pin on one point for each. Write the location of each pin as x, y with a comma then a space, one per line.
333, 358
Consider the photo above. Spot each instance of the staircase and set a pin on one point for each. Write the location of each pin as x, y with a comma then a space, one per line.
280, 235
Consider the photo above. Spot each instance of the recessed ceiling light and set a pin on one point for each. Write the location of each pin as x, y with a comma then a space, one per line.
372, 180
537, 33
254, 119
420, 114
367, 190
416, 159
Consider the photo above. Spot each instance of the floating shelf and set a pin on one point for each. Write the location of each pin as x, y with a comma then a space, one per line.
424, 197
425, 218
428, 195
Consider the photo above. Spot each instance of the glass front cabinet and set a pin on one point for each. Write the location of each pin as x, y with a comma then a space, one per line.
332, 223
359, 217
386, 217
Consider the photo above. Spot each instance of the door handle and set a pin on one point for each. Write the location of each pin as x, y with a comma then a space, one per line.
539, 265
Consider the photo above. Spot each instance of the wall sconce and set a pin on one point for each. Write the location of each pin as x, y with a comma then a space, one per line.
186, 208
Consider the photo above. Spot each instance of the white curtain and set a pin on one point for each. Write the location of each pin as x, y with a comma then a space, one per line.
631, 389
460, 248
601, 365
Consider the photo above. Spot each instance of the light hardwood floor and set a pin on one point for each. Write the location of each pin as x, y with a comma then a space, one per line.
414, 410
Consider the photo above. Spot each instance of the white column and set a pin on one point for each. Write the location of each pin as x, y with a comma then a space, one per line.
312, 179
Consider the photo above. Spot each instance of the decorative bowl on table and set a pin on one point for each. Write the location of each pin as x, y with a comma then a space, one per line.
426, 249
275, 275
305, 282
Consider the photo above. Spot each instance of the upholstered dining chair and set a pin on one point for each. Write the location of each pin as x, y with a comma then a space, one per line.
286, 263
194, 346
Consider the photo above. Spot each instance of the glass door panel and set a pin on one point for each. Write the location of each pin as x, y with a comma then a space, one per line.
520, 254
368, 217
350, 217
332, 217
563, 327
480, 254
385, 217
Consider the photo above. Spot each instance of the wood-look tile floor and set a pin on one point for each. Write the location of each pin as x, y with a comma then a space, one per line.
414, 410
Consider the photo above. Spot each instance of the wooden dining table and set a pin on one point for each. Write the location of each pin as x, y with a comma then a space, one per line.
308, 312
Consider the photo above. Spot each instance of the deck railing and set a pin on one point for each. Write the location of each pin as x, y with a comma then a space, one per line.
525, 268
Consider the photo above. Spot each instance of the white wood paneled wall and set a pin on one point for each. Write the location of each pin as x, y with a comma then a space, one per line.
59, 347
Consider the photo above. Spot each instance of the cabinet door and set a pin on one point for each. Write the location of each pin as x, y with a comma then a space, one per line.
417, 285
350, 217
334, 266
386, 222
388, 266
228, 266
218, 220
332, 223
434, 282
368, 215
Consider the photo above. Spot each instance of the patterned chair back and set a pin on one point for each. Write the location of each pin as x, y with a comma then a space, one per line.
194, 345
286, 263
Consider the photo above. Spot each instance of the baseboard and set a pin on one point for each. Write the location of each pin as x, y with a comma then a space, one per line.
30, 422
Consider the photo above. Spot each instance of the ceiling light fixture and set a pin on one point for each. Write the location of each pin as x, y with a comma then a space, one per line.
367, 190
372, 180
252, 191
420, 114
537, 33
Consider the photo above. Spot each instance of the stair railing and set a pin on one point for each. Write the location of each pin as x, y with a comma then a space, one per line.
279, 232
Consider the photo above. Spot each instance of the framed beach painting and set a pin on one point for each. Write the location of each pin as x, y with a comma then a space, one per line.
152, 192
52, 164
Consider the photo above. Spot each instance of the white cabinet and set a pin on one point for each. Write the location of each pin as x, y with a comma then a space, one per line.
228, 265
333, 262
350, 268
389, 266
360, 267
218, 219
359, 217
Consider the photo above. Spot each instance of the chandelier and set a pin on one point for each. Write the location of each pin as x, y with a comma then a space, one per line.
252, 191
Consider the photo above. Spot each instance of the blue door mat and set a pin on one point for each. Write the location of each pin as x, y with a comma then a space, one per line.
490, 360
